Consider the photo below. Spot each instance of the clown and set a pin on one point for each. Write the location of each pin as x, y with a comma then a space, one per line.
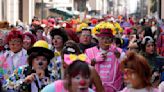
105, 57
15, 57
137, 74
77, 79
34, 76
72, 49
59, 37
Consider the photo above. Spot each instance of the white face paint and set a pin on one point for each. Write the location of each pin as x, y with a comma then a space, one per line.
80, 83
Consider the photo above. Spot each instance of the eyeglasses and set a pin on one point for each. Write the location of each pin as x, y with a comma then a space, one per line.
106, 38
15, 42
86, 35
40, 31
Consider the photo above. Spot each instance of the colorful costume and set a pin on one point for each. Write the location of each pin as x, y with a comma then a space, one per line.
10, 61
108, 70
15, 81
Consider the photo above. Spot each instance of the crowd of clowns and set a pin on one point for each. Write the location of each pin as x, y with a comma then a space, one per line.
94, 55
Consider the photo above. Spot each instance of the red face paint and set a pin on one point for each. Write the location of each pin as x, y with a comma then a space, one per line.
82, 83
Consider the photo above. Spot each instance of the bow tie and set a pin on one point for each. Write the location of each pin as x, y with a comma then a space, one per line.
57, 54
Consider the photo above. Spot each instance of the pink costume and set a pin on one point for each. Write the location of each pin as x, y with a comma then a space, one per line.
59, 86
108, 70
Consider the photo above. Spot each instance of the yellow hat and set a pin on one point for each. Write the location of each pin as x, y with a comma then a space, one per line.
41, 46
41, 43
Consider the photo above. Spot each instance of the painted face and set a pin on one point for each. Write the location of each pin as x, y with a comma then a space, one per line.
105, 42
85, 37
15, 45
57, 41
131, 78
149, 48
40, 62
27, 42
80, 83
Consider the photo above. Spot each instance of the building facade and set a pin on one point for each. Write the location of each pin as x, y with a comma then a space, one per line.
13, 10
162, 9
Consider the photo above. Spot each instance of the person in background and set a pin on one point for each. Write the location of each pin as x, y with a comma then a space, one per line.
38, 32
160, 44
34, 76
72, 36
85, 39
137, 73
29, 40
59, 37
3, 43
15, 57
154, 60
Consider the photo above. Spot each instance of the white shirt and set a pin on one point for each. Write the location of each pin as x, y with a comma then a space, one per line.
16, 57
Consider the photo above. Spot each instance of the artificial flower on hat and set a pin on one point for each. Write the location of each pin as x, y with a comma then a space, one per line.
118, 28
81, 26
94, 21
67, 25
104, 25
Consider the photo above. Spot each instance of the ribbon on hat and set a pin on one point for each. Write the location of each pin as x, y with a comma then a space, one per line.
70, 58
148, 39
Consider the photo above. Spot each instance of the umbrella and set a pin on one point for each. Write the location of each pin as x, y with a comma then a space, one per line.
63, 12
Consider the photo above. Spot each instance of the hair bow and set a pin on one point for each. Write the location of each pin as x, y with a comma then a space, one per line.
70, 58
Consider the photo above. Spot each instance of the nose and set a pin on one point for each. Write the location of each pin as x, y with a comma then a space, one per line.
82, 83
40, 63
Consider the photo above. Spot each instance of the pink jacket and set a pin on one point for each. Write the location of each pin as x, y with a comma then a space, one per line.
108, 70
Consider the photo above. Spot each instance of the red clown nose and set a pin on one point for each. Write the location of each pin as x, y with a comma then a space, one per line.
82, 83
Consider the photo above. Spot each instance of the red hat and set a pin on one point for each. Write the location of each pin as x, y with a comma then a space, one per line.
67, 25
51, 20
105, 32
94, 21
128, 30
44, 21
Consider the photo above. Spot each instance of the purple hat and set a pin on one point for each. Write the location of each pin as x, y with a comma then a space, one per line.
105, 32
